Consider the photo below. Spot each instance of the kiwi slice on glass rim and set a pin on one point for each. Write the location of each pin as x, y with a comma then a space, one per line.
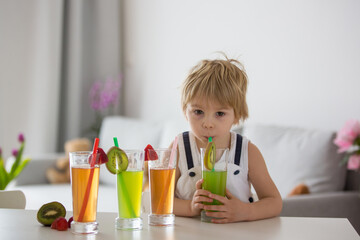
118, 160
210, 156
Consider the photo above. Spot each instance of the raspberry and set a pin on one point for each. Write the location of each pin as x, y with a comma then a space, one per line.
61, 224
69, 221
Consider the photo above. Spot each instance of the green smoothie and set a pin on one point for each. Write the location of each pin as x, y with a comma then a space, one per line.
214, 182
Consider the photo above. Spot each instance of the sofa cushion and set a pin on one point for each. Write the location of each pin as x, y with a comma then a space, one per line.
172, 129
131, 134
295, 155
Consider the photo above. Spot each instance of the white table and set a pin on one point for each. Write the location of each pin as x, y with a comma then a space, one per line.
22, 224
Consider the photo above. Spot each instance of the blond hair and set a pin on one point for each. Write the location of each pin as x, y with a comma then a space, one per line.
221, 80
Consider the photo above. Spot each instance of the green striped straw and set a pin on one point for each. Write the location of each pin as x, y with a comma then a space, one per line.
123, 187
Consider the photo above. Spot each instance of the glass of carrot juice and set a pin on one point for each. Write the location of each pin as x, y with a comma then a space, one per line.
162, 183
85, 185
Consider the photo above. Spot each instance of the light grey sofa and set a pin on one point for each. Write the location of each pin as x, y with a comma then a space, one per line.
293, 156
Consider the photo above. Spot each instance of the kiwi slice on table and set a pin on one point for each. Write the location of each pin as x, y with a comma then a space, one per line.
118, 161
210, 156
49, 212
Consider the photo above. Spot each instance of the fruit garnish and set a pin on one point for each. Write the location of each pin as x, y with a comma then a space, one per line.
100, 157
70, 221
49, 212
150, 153
118, 160
210, 156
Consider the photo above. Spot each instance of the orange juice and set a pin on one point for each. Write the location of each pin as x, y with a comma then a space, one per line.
79, 182
162, 190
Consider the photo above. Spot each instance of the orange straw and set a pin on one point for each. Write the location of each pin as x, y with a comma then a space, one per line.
87, 193
168, 182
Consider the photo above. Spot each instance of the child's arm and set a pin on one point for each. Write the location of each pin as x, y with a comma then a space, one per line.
191, 208
269, 204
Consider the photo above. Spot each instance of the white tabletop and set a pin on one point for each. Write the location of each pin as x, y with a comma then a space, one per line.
22, 224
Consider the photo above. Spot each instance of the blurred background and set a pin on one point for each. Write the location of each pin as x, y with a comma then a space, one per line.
57, 57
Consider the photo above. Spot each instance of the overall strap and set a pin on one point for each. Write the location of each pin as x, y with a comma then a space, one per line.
187, 146
238, 149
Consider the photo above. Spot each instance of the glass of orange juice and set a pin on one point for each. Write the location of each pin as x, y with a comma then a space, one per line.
85, 185
161, 183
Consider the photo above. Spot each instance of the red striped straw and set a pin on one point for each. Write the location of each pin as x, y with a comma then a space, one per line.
88, 188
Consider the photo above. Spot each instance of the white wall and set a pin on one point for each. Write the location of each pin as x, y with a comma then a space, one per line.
30, 41
302, 57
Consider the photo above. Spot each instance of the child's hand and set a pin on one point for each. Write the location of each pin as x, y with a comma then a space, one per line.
233, 209
199, 197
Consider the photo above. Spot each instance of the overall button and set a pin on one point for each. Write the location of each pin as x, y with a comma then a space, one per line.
192, 174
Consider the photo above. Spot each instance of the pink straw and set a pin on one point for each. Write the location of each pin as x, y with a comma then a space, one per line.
87, 193
168, 181
173, 151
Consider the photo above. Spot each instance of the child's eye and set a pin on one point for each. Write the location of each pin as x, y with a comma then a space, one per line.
198, 112
220, 114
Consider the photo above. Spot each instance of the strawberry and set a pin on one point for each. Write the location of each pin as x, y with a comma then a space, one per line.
54, 224
101, 157
62, 224
150, 153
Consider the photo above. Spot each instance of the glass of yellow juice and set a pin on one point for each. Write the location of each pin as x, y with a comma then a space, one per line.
162, 183
85, 185
129, 184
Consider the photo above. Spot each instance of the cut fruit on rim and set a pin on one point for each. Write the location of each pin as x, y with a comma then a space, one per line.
210, 156
101, 157
118, 161
150, 153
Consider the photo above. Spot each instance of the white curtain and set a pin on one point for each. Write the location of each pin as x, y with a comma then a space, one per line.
51, 52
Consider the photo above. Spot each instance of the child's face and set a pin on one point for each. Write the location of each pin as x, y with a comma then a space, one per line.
208, 118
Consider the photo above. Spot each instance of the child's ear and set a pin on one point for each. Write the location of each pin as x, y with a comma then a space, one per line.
236, 121
186, 116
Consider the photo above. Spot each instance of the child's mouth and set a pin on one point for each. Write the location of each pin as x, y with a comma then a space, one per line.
207, 137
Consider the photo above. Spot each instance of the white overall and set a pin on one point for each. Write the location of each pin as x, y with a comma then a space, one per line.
190, 167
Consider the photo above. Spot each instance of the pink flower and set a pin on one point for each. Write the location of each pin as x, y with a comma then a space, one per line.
21, 138
354, 162
346, 136
15, 152
103, 95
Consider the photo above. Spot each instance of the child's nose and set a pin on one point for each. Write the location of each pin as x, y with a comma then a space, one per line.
208, 123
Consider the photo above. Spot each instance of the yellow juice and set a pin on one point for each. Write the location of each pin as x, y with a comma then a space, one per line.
79, 183
162, 190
